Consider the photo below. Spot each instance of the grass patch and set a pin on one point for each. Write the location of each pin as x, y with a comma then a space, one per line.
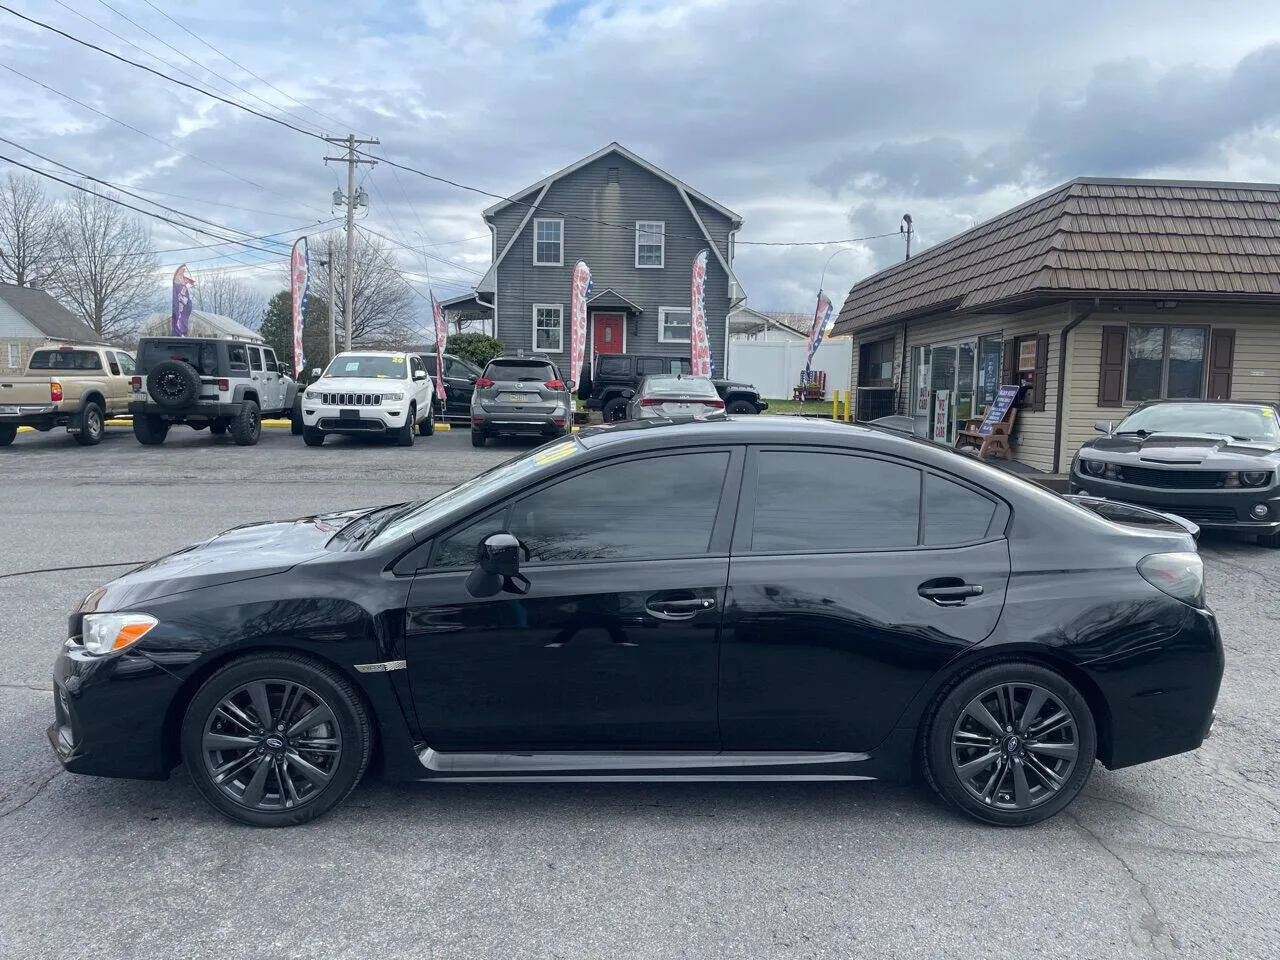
821, 407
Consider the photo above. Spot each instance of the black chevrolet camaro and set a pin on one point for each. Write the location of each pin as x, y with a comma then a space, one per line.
1215, 462
755, 598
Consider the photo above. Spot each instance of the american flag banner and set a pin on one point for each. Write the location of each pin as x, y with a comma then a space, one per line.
821, 317
442, 334
578, 319
299, 274
701, 347
181, 315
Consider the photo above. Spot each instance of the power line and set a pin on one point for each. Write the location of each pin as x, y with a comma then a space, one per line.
397, 243
236, 63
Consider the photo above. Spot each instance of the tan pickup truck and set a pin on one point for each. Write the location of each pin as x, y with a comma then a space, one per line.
67, 385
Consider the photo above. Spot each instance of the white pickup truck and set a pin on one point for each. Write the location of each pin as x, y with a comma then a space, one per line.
67, 385
370, 392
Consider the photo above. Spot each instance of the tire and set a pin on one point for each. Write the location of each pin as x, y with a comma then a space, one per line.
218, 427
173, 384
150, 430
246, 426
1008, 790
404, 435
478, 437
615, 411
313, 437
8, 431
740, 407
92, 424
1271, 540
274, 791
295, 419
428, 426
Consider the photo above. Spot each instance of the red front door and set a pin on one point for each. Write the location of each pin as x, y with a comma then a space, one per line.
607, 333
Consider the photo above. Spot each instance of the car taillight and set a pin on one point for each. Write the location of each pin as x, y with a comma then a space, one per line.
136, 383
224, 385
718, 404
55, 391
651, 402
485, 382
1180, 575
554, 384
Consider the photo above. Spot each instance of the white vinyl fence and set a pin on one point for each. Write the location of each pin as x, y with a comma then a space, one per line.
774, 367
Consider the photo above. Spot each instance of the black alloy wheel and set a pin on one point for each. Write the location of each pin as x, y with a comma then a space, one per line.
1012, 744
615, 411
741, 407
246, 426
275, 739
174, 384
92, 424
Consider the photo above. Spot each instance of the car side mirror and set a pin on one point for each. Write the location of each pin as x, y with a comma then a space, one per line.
497, 567
627, 394
419, 374
1104, 426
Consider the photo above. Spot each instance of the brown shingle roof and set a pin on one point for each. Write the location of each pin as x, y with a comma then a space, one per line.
47, 315
1090, 236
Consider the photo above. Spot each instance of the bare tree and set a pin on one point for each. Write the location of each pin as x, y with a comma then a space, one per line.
28, 231
217, 291
106, 272
382, 302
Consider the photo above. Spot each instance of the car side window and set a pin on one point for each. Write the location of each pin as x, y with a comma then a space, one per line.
833, 502
237, 358
459, 548
255, 358
127, 366
418, 365
632, 510
113, 364
269, 360
954, 514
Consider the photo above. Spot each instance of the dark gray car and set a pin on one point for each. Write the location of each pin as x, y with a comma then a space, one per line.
520, 395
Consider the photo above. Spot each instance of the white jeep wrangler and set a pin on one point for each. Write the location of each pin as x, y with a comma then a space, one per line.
370, 392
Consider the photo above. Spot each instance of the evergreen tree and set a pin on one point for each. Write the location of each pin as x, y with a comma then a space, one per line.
277, 330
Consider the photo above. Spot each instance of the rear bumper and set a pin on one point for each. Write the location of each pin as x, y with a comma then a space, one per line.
41, 415
1208, 509
203, 410
514, 423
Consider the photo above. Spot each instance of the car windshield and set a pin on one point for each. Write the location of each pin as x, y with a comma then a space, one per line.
520, 371
1238, 420
65, 360
679, 387
363, 366
471, 492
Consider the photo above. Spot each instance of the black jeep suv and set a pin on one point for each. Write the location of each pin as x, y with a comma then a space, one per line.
225, 385
617, 376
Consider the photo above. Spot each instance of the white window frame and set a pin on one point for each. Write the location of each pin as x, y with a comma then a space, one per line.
547, 263
649, 237
559, 308
662, 324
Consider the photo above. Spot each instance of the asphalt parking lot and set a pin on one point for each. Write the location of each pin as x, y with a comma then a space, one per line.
1176, 858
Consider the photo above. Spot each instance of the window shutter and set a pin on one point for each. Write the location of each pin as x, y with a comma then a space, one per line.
1111, 368
1041, 379
1222, 354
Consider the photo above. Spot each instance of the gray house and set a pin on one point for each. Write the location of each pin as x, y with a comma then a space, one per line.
639, 229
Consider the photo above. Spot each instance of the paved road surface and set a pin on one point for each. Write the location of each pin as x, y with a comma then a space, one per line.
1175, 859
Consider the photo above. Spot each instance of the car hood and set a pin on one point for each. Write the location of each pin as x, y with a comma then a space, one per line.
361, 385
1169, 449
242, 553
723, 384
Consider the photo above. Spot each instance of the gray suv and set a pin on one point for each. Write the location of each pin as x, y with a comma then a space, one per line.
520, 395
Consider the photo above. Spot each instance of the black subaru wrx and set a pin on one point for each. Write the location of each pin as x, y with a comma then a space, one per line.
744, 598
1214, 462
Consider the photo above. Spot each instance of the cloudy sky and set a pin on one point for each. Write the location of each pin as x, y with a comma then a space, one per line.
817, 121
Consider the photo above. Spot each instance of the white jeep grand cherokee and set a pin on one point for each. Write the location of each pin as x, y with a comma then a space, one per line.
370, 392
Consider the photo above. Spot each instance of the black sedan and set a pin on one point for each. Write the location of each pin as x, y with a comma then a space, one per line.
743, 598
1215, 462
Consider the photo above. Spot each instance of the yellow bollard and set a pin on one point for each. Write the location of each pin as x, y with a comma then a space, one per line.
835, 405
848, 407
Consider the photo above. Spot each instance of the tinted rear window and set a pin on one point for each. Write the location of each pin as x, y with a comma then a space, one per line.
527, 371
65, 360
202, 356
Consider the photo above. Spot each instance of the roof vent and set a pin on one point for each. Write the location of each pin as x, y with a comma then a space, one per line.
613, 176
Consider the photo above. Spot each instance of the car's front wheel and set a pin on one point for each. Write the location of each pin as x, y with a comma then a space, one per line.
275, 740
313, 437
428, 426
1010, 744
404, 435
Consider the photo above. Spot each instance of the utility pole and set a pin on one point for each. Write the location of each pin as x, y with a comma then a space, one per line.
333, 314
353, 199
906, 229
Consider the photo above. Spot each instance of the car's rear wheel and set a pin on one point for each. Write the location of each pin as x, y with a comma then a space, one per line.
404, 436
1011, 744
740, 407
92, 424
615, 411
478, 437
7, 433
274, 740
313, 437
246, 426
150, 429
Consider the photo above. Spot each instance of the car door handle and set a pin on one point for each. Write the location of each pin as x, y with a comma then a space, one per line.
682, 609
949, 592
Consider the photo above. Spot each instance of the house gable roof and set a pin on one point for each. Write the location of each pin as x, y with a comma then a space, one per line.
47, 315
610, 299
1090, 236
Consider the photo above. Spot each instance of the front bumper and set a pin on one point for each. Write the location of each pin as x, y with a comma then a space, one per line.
330, 419
1218, 509
109, 714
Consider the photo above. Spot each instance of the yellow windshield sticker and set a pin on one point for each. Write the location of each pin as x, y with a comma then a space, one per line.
556, 453
397, 359
1266, 411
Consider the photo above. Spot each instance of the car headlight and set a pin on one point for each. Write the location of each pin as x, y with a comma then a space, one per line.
311, 395
109, 632
1094, 468
392, 397
1254, 478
